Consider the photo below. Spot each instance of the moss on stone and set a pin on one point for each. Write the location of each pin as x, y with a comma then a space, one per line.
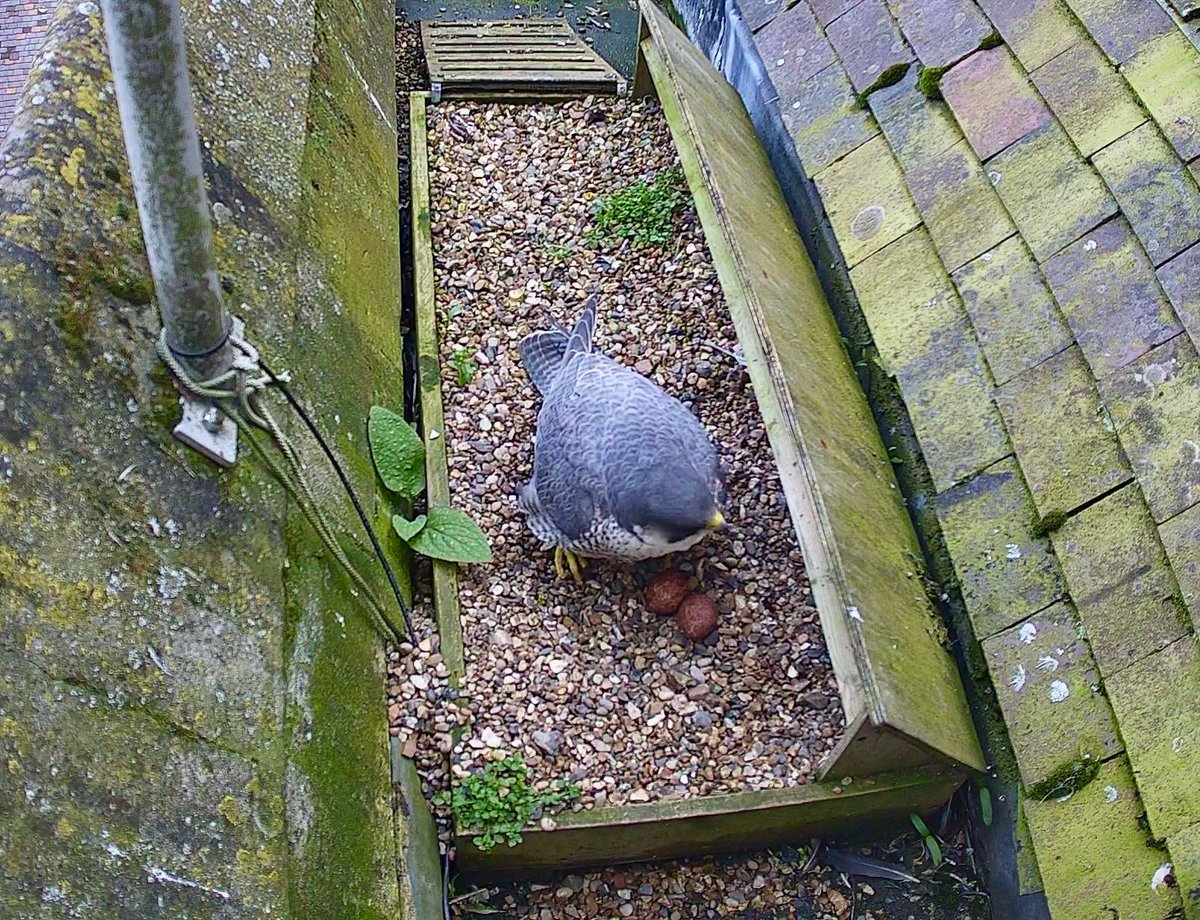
152, 615
889, 77
229, 810
77, 320
1068, 779
344, 857
929, 81
1092, 852
992, 40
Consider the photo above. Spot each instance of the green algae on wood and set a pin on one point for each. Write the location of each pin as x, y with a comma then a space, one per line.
714, 824
840, 497
445, 574
417, 839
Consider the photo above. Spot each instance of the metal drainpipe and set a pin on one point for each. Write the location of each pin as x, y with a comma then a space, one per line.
154, 96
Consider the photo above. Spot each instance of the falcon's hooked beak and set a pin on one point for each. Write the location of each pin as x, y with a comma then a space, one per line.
716, 522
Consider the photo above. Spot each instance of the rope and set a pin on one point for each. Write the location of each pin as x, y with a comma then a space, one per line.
237, 392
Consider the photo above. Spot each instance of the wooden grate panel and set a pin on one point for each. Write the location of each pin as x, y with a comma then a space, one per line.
513, 57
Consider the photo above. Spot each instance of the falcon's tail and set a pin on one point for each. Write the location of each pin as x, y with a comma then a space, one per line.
541, 355
580, 341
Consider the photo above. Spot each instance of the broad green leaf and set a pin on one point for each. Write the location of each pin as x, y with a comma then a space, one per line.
407, 529
985, 806
450, 535
935, 851
398, 452
920, 825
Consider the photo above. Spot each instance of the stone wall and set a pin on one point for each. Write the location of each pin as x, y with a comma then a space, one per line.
192, 715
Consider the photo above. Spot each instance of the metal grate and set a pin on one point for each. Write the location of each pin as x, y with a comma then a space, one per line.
513, 58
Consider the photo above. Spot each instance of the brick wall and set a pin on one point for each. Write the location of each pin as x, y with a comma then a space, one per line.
22, 25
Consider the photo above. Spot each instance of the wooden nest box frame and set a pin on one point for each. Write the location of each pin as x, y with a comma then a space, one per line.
909, 740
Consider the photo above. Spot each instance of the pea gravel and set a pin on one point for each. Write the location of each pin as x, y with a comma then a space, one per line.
787, 883
583, 681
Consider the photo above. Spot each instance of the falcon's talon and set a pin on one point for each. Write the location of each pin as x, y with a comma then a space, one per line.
576, 567
567, 562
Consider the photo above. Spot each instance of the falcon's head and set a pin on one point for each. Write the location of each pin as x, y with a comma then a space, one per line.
670, 506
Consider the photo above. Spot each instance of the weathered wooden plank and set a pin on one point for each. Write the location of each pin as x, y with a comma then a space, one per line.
429, 45
458, 57
508, 48
502, 68
866, 749
517, 26
508, 41
484, 70
493, 46
542, 95
525, 91
417, 838
482, 58
713, 824
858, 542
643, 84
445, 574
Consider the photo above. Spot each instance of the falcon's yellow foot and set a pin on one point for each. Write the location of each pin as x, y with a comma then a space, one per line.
566, 561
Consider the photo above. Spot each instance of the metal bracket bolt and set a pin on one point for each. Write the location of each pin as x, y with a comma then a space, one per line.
206, 428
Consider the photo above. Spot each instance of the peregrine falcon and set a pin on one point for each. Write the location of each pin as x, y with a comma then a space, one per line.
621, 470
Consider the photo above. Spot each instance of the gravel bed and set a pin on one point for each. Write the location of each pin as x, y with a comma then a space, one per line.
783, 884
583, 681
761, 886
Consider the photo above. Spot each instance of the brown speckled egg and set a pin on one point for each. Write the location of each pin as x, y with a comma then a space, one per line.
697, 617
666, 592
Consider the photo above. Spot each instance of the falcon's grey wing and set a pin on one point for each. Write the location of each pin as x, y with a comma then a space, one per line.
602, 429
541, 356
569, 482
656, 431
